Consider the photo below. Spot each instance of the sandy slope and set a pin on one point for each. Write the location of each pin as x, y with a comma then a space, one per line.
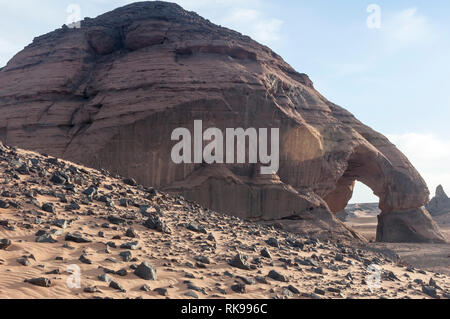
186, 261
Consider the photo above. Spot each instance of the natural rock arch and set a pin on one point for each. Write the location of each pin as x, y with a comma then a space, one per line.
398, 221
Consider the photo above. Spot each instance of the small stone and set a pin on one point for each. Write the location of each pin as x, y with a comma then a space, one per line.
77, 238
116, 220
335, 290
196, 228
275, 275
265, 253
161, 291
42, 282
239, 288
129, 181
293, 289
122, 272
146, 288
83, 258
115, 285
48, 207
273, 242
261, 280
239, 262
5, 243
24, 261
46, 238
146, 271
91, 289
131, 233
126, 256
202, 259
105, 277
57, 179
61, 223
53, 272
4, 204
73, 206
191, 294
130, 246
319, 291
90, 192
430, 291
156, 223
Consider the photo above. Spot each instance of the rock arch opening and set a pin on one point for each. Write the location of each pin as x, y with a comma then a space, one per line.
362, 211
363, 168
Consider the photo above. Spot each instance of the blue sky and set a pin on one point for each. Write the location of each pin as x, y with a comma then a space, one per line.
393, 78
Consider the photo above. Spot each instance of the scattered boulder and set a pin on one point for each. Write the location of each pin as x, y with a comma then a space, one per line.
239, 261
275, 275
239, 288
85, 260
5, 243
430, 291
156, 223
161, 291
77, 238
48, 207
196, 228
115, 285
146, 271
265, 253
273, 242
41, 282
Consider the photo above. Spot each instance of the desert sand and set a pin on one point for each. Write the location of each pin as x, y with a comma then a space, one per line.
434, 257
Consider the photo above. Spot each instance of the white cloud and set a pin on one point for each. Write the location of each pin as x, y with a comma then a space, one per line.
409, 28
7, 51
429, 154
253, 23
245, 17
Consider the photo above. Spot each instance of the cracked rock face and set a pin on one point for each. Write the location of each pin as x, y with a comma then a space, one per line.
110, 94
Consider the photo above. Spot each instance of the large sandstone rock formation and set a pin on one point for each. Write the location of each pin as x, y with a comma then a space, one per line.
110, 93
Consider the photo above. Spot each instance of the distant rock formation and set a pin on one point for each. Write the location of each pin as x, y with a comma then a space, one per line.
109, 94
356, 210
440, 203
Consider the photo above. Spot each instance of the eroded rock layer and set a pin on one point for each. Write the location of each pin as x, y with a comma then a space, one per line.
110, 93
